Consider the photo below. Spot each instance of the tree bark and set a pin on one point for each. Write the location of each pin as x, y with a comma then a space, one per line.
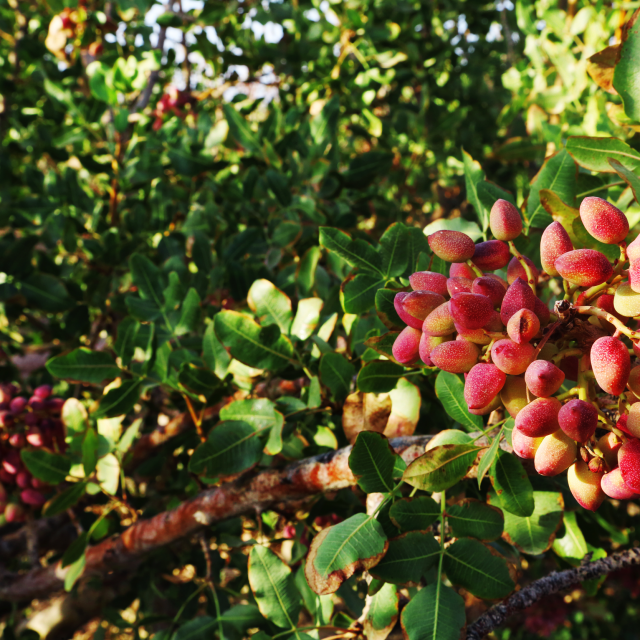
326, 472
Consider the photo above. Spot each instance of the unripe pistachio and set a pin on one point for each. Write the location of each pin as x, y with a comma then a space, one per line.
511, 357
629, 462
603, 221
524, 446
609, 444
578, 419
514, 395
470, 310
543, 378
556, 454
457, 356
459, 285
585, 485
413, 307
518, 296
584, 267
515, 270
634, 276
490, 288
462, 270
439, 322
555, 241
539, 418
633, 250
452, 246
483, 383
505, 221
614, 486
523, 326
487, 409
491, 255
428, 281
611, 364
626, 301
406, 346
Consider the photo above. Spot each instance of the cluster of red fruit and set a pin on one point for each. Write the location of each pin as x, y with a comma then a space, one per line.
516, 354
26, 423
173, 101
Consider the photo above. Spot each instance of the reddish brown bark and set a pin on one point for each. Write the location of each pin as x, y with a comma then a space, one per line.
327, 472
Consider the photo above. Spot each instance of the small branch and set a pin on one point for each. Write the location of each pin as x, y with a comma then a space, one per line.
554, 582
525, 265
145, 96
601, 313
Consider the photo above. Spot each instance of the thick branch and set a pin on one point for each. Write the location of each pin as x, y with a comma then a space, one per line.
554, 582
327, 472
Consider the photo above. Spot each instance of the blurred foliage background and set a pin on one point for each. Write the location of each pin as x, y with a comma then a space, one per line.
216, 137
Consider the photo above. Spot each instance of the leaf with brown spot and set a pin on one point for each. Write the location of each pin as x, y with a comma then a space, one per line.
337, 552
602, 65
382, 614
441, 467
383, 344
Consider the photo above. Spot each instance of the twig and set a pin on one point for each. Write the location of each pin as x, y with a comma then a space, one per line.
554, 582
145, 96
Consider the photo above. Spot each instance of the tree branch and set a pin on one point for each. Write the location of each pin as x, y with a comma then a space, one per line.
554, 582
326, 472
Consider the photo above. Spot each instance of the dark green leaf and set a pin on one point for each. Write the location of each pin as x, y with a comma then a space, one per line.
51, 468
247, 342
474, 519
357, 253
336, 373
473, 566
371, 461
125, 342
436, 612
393, 249
84, 365
386, 310
75, 550
407, 558
379, 376
626, 78
382, 613
190, 314
450, 391
46, 292
358, 292
120, 400
146, 276
594, 153
65, 500
414, 514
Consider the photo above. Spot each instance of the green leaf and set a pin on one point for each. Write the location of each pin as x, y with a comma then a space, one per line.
357, 253
489, 456
307, 317
366, 167
337, 552
379, 376
628, 176
488, 192
125, 342
75, 550
473, 176
393, 250
414, 514
273, 587
200, 628
261, 414
74, 572
190, 314
407, 559
474, 519
382, 614
471, 565
626, 77
450, 391
84, 365
416, 243
383, 344
120, 400
46, 292
231, 447
128, 437
511, 483
271, 305
336, 373
307, 272
65, 500
108, 473
571, 545
199, 381
558, 174
51, 468
278, 184
534, 534
371, 461
594, 153
441, 467
90, 444
436, 612
240, 130
358, 292
146, 276
386, 310
213, 353
253, 346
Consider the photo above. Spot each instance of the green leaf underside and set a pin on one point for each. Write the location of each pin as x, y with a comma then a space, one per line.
441, 467
357, 253
407, 558
84, 365
572, 545
594, 153
535, 534
471, 565
48, 467
414, 514
489, 456
274, 588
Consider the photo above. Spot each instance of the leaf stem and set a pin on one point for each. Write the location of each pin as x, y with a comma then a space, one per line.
476, 270
601, 313
566, 353
197, 420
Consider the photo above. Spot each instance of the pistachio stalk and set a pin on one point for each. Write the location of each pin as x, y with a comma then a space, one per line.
527, 268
